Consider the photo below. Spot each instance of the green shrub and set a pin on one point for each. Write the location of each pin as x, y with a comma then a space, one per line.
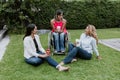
101, 13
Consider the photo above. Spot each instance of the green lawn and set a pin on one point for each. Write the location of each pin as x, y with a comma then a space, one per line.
13, 67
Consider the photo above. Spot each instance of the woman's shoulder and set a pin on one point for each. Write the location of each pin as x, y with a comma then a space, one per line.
27, 38
64, 20
37, 36
83, 34
52, 20
93, 39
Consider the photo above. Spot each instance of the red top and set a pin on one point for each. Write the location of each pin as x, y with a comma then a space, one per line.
60, 24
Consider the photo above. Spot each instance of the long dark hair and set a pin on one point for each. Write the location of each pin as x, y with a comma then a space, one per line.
58, 12
29, 29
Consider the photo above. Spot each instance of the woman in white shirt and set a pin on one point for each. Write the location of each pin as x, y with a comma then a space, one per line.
87, 45
33, 51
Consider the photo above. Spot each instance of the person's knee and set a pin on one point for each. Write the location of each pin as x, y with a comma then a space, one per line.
76, 49
70, 44
62, 36
55, 34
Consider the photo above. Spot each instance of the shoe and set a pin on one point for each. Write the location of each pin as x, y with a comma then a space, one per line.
55, 51
63, 51
73, 60
62, 68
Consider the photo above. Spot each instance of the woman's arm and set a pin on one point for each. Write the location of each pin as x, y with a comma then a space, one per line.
39, 44
94, 46
64, 25
52, 25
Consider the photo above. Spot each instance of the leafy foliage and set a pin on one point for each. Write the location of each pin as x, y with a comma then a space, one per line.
18, 13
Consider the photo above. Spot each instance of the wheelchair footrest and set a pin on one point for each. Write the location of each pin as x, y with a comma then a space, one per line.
60, 53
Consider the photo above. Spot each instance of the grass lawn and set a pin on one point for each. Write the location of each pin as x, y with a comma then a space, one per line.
13, 67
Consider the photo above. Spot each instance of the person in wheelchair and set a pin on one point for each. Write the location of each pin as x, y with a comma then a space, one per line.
58, 24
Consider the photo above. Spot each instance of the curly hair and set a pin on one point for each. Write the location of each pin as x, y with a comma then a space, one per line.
92, 32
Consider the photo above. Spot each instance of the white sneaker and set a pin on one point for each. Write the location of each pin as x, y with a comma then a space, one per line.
55, 51
63, 51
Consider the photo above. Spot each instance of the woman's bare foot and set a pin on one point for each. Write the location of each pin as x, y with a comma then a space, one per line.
62, 68
99, 57
74, 60
61, 63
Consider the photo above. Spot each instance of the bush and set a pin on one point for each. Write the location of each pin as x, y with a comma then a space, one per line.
17, 13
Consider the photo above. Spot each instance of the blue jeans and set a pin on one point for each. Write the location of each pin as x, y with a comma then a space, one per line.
76, 52
59, 39
35, 61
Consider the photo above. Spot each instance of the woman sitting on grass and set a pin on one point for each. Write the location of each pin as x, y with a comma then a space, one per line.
33, 51
87, 45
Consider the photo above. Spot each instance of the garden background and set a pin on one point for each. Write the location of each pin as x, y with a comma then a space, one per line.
16, 14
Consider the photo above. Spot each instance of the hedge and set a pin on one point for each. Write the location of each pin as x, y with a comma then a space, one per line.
17, 13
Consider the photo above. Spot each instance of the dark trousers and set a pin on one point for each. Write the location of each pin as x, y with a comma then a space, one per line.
76, 52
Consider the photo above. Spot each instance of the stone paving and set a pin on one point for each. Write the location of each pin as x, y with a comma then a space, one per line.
3, 44
113, 43
43, 31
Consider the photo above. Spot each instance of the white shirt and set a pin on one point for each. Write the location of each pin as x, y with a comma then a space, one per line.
29, 47
88, 43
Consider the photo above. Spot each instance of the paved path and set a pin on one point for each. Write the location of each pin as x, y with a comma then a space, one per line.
2, 34
3, 44
113, 43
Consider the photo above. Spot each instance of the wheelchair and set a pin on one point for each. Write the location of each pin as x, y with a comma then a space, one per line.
51, 42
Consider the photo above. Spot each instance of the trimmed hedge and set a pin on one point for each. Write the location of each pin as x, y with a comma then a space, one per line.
101, 13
